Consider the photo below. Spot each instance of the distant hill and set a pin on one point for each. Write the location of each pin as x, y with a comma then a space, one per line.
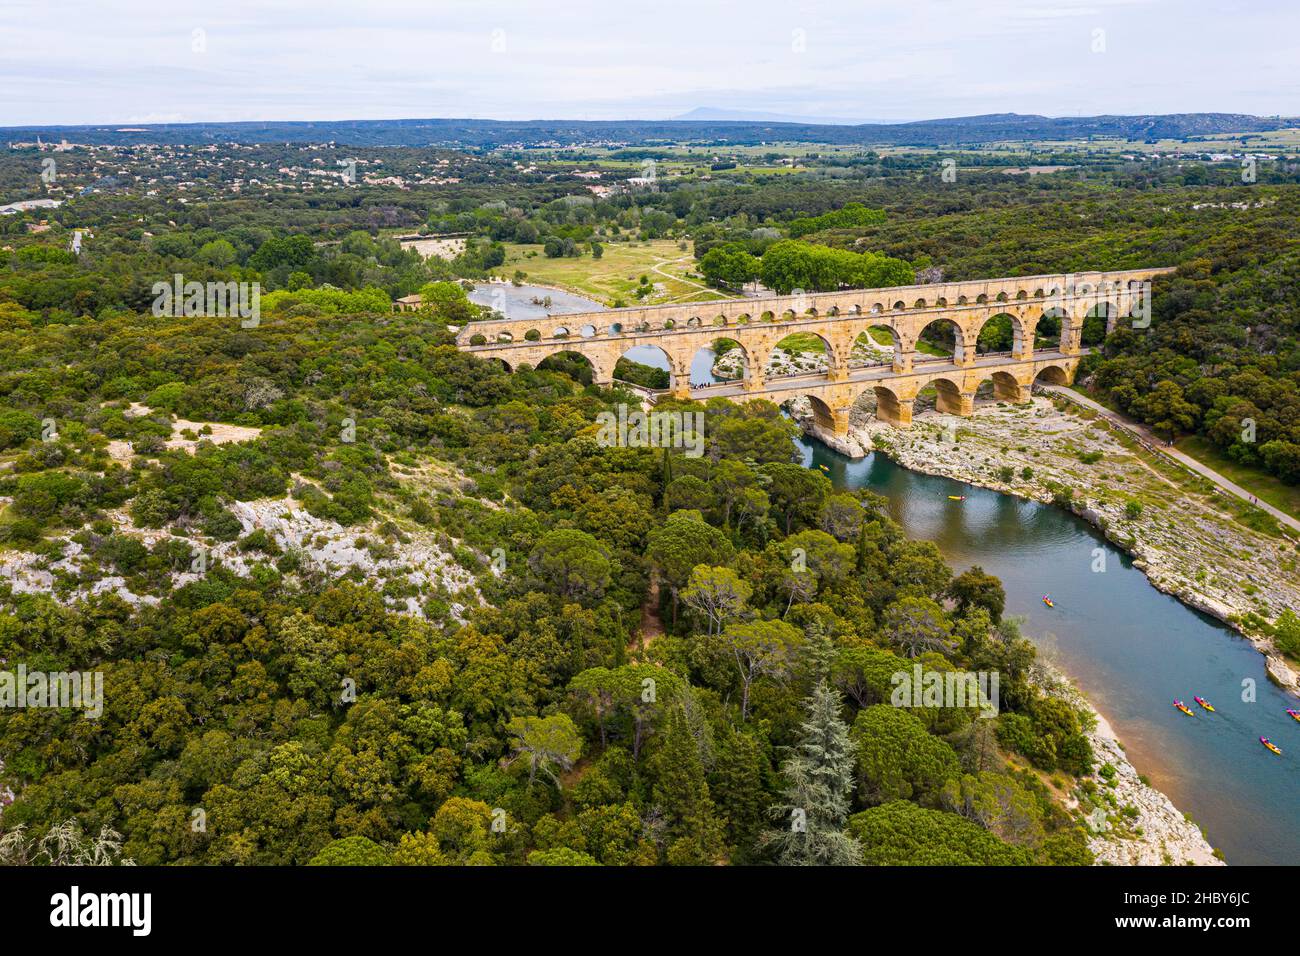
490, 133
709, 114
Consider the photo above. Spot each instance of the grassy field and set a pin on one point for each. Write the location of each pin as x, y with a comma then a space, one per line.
1262, 485
616, 276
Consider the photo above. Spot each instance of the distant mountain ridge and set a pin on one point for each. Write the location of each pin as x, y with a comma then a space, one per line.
964, 130
713, 114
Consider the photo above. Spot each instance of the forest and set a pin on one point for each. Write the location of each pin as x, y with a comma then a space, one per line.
643, 658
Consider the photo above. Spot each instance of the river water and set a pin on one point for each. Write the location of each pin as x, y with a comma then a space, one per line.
1129, 647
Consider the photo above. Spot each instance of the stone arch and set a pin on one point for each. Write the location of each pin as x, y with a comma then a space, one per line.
1052, 375
497, 358
948, 397
961, 300
884, 403
720, 322
999, 336
981, 299
743, 319
800, 355
646, 357
567, 355
869, 347
1001, 387
533, 335
937, 341
616, 328
1050, 328
505, 337
823, 414
1097, 323
560, 332
731, 353
899, 306
587, 331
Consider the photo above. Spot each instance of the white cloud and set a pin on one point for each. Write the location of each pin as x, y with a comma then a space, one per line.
82, 61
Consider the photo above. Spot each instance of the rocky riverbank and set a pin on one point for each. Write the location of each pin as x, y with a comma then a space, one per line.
1129, 822
1190, 540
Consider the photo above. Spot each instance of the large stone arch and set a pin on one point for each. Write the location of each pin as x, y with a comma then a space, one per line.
832, 359
1053, 374
662, 359
861, 332
959, 348
1005, 388
598, 374
891, 408
746, 360
824, 416
1015, 346
950, 399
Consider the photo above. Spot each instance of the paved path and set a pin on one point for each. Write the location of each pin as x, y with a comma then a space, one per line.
1144, 433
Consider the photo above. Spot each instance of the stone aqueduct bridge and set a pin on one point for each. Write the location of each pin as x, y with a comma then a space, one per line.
838, 318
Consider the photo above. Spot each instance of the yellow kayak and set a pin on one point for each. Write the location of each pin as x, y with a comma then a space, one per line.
1270, 745
1204, 703
956, 497
1184, 708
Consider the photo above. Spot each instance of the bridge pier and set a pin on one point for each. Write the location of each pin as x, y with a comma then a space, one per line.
954, 403
894, 411
1007, 390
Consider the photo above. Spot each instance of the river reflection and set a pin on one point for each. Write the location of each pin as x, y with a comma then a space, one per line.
1130, 647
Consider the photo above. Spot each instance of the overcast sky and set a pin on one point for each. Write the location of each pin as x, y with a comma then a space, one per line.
128, 62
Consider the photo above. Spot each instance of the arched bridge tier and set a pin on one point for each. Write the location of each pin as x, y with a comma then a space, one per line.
839, 318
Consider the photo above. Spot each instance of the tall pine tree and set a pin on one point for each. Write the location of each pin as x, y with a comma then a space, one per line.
818, 790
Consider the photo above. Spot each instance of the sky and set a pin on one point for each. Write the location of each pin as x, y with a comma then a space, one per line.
126, 62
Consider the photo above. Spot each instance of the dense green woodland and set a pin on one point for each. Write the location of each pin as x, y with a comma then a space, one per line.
553, 723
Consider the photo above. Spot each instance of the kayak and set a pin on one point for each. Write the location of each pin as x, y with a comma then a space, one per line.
956, 497
1294, 713
1184, 708
1270, 745
1204, 703
1048, 601
824, 468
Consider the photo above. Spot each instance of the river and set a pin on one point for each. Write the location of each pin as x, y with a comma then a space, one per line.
1129, 647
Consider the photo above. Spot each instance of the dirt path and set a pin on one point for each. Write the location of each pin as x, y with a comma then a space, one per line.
1154, 441
652, 627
